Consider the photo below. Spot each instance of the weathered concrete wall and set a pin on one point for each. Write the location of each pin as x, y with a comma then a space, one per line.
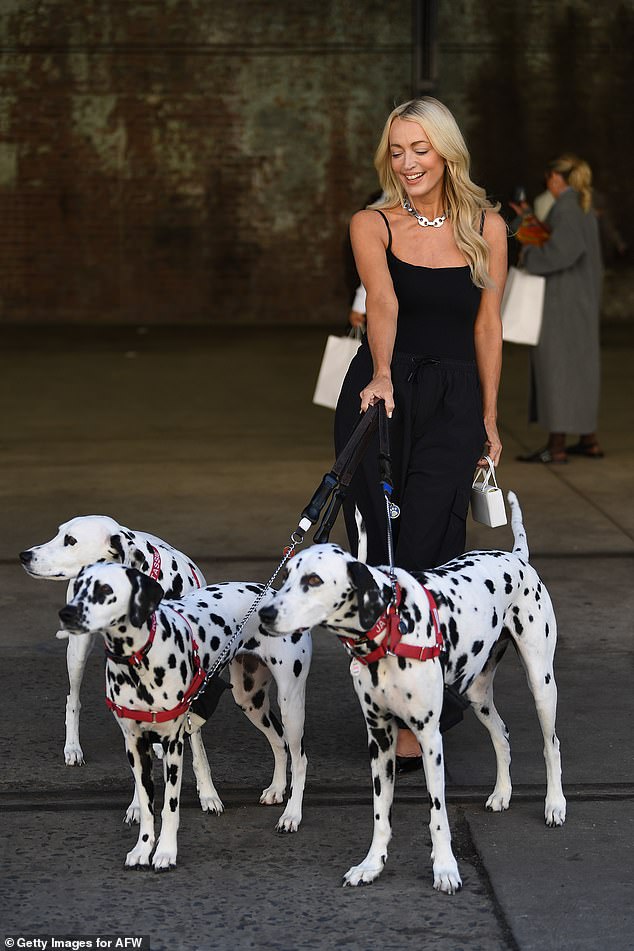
198, 161
531, 79
189, 161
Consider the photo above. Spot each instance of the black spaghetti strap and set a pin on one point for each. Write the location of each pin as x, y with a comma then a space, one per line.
482, 221
387, 225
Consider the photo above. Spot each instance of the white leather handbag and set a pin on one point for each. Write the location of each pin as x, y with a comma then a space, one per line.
487, 501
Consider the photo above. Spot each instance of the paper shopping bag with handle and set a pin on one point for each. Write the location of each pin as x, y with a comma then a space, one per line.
334, 366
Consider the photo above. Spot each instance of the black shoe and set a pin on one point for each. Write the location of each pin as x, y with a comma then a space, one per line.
453, 707
408, 764
205, 704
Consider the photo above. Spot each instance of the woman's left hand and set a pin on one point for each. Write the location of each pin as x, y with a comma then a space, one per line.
493, 445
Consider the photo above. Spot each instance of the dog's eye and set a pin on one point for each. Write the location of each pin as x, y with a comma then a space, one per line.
312, 581
101, 592
69, 540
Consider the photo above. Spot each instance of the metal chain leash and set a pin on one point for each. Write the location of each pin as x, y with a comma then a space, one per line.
220, 663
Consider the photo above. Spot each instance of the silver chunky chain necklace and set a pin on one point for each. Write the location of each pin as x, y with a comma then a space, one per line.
421, 219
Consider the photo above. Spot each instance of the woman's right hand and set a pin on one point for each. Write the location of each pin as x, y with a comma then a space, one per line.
379, 388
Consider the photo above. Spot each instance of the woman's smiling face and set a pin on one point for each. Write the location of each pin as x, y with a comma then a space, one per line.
419, 168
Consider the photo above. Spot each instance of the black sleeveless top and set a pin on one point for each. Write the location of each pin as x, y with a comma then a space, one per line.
437, 307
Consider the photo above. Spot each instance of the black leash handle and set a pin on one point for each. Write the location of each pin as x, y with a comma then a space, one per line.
340, 475
385, 459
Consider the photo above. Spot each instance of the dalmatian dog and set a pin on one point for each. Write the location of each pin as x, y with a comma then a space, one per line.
85, 540
156, 654
452, 623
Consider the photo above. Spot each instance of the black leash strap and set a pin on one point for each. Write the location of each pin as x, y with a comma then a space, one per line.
334, 484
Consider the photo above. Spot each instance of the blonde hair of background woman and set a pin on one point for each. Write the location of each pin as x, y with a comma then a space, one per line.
577, 173
465, 201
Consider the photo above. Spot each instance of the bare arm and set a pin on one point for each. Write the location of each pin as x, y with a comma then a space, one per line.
488, 333
368, 235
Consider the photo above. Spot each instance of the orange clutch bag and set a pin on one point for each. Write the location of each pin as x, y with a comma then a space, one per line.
532, 231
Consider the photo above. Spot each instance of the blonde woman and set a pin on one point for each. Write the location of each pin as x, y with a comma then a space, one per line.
432, 256
565, 364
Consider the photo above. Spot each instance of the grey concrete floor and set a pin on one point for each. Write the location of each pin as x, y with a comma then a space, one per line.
209, 439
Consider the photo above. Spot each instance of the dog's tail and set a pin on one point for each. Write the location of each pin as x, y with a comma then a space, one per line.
362, 550
521, 542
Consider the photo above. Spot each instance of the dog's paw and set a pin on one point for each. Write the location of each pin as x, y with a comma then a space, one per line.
289, 822
164, 859
73, 755
555, 813
498, 801
133, 814
447, 879
139, 856
273, 795
211, 803
361, 874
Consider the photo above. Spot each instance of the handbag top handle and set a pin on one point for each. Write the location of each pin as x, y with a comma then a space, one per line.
490, 474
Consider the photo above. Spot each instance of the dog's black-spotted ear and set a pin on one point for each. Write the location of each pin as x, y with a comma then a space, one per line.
116, 548
145, 598
371, 598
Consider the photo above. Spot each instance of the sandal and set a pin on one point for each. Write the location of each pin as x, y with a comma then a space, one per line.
545, 456
589, 449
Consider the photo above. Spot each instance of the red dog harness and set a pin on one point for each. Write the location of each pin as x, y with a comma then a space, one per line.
136, 659
391, 643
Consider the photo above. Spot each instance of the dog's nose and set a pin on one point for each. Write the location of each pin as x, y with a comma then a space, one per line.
68, 614
268, 614
26, 557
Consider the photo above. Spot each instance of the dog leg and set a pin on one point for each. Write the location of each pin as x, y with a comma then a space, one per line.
210, 801
291, 698
382, 750
480, 693
140, 759
251, 679
446, 875
77, 650
167, 847
541, 680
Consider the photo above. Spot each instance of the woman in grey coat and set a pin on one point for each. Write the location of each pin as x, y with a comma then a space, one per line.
565, 363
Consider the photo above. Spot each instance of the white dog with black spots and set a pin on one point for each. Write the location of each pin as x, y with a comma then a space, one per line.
484, 600
85, 540
155, 650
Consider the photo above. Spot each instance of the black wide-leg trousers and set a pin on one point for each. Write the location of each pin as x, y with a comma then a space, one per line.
437, 436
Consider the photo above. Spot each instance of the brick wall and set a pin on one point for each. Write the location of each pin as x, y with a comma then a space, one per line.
167, 161
189, 161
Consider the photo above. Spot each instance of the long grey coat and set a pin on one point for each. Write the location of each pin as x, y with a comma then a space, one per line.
565, 363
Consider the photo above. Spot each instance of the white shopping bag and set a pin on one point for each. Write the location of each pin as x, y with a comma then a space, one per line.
334, 366
522, 307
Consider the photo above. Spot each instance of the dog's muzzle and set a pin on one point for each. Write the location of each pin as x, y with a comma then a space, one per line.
268, 614
70, 616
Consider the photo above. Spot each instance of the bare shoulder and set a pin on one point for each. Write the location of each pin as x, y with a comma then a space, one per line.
368, 224
495, 230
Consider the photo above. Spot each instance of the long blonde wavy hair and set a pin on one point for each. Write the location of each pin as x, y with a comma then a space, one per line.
577, 173
464, 200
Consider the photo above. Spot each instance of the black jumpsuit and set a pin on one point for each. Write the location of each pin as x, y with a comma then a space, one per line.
437, 432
